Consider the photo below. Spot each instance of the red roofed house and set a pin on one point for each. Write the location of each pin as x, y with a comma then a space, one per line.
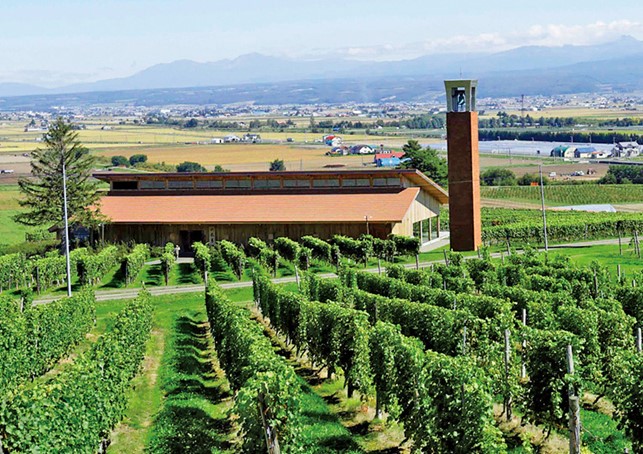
185, 207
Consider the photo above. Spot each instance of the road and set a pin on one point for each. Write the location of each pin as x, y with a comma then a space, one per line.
117, 294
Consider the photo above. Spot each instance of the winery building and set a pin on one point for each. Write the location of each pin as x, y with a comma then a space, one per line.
185, 207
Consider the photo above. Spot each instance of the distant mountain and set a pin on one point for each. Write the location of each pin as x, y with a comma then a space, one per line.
615, 66
18, 89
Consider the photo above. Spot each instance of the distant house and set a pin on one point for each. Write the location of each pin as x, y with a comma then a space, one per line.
338, 151
563, 151
362, 149
252, 138
584, 152
332, 140
216, 140
388, 154
231, 138
626, 150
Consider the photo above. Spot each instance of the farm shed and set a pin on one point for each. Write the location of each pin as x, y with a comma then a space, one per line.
187, 207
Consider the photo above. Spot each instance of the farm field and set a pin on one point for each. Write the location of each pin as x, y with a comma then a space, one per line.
247, 157
563, 195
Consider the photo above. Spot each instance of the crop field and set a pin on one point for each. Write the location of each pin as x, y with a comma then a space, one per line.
563, 195
245, 157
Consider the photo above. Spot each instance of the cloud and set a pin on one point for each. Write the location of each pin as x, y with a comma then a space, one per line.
536, 35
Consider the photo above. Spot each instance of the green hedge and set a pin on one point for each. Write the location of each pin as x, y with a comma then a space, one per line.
92, 267
77, 409
32, 341
261, 378
134, 262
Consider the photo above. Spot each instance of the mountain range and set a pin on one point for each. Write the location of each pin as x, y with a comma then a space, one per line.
531, 70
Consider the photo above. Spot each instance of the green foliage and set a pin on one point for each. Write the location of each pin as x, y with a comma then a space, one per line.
545, 399
405, 245
333, 335
321, 250
168, 259
426, 161
137, 159
134, 262
287, 248
525, 226
277, 165
189, 166
629, 398
76, 409
623, 174
43, 193
120, 161
233, 256
384, 249
445, 403
38, 235
263, 381
255, 246
202, 257
498, 177
13, 271
529, 179
358, 249
92, 267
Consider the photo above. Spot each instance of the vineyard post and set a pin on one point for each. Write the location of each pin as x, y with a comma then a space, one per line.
620, 243
502, 257
272, 442
417, 261
479, 252
638, 340
455, 303
507, 402
637, 245
379, 266
574, 409
618, 271
523, 368
297, 278
446, 260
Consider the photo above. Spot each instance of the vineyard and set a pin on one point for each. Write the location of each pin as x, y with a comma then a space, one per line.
581, 194
477, 355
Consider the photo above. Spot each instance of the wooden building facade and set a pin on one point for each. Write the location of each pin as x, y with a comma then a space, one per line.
187, 207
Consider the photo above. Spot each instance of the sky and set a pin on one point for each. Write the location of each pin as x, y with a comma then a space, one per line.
52, 43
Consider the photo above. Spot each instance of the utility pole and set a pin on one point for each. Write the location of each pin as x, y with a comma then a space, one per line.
65, 216
542, 201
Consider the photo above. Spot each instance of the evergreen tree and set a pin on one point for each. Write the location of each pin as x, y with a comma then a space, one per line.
43, 194
426, 160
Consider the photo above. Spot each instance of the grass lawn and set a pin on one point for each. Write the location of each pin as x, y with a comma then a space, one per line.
180, 399
606, 255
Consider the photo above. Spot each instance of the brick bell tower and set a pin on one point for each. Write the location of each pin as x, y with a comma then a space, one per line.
464, 165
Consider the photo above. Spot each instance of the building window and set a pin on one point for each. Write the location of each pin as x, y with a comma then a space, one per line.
209, 184
296, 183
394, 182
124, 185
379, 181
180, 184
326, 183
151, 184
238, 184
267, 184
356, 182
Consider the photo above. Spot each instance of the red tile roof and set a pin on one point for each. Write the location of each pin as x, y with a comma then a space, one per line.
259, 208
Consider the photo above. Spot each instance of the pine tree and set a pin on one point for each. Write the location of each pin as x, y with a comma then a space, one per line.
426, 160
43, 192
